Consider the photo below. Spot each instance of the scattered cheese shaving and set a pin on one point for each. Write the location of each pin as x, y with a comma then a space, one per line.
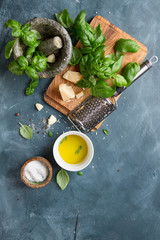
66, 92
79, 95
39, 106
72, 76
51, 120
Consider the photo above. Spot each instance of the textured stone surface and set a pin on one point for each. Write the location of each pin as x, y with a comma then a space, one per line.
110, 204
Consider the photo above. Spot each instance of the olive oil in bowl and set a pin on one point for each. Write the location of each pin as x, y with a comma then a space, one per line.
73, 149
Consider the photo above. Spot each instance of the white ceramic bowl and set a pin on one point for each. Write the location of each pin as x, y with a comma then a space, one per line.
78, 166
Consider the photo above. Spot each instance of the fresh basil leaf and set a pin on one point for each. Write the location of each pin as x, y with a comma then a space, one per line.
32, 73
99, 52
84, 83
16, 32
63, 140
30, 39
107, 61
83, 30
23, 62
25, 131
30, 52
9, 48
92, 80
86, 50
131, 71
106, 132
80, 19
118, 54
88, 26
34, 83
127, 45
97, 63
89, 32
83, 35
117, 64
120, 81
76, 56
50, 134
103, 69
80, 173
83, 64
86, 66
12, 24
39, 62
111, 56
99, 37
102, 89
26, 27
38, 35
15, 68
104, 75
62, 179
78, 150
29, 91
64, 19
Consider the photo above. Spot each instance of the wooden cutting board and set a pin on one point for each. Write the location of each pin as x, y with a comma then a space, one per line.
112, 35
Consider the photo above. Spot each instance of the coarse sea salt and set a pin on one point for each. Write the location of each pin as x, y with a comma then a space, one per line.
36, 171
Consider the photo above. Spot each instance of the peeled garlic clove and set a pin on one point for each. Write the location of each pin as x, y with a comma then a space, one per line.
57, 41
51, 58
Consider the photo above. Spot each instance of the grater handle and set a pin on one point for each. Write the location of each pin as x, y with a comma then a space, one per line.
145, 66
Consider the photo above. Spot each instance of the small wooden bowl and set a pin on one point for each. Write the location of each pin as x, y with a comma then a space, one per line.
37, 185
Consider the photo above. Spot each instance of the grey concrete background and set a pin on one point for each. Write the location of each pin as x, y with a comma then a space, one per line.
103, 204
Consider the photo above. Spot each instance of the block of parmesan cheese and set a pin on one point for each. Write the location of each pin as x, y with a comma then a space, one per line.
72, 76
66, 92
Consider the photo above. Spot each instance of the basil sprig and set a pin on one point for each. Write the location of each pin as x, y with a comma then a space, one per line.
21, 66
34, 61
94, 65
29, 37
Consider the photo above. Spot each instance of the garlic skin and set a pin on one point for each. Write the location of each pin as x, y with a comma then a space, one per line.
39, 106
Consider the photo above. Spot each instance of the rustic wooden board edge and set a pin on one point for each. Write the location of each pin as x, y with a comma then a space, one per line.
56, 105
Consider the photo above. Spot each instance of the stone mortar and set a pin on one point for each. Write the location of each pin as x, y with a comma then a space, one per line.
49, 28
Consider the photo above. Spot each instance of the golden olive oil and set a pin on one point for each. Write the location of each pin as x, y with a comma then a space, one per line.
73, 149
